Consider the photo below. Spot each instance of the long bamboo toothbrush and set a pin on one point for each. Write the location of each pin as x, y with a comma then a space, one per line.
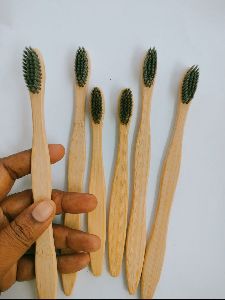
157, 243
136, 236
77, 152
97, 218
45, 262
119, 196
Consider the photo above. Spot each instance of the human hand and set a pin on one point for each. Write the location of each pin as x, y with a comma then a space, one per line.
22, 222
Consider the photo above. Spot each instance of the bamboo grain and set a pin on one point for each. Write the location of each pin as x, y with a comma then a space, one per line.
76, 169
45, 258
156, 247
136, 235
119, 205
97, 187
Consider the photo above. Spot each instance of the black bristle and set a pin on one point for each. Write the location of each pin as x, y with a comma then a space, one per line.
81, 66
126, 105
96, 105
190, 83
150, 67
32, 70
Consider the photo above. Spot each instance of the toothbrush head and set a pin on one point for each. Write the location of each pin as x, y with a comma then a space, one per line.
96, 105
81, 67
32, 70
150, 67
190, 84
125, 106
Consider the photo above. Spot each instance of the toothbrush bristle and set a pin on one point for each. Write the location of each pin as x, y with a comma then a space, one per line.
190, 84
150, 67
81, 67
96, 105
32, 70
126, 106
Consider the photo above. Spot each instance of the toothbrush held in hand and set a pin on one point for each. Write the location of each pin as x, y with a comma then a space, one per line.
155, 252
136, 236
120, 193
97, 218
77, 152
45, 260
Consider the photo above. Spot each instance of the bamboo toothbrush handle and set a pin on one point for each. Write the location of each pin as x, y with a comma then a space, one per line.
77, 153
76, 169
45, 262
136, 236
119, 206
97, 218
157, 244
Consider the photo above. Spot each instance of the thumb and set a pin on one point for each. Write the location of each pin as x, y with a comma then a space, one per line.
18, 236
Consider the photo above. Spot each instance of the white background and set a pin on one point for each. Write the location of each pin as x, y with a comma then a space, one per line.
117, 33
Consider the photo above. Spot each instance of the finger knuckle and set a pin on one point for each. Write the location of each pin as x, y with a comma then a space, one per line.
23, 232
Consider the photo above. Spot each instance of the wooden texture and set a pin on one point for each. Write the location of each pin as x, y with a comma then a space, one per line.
155, 252
97, 218
45, 261
136, 235
76, 169
119, 205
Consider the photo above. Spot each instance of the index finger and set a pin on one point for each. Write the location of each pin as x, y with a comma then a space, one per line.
66, 202
18, 165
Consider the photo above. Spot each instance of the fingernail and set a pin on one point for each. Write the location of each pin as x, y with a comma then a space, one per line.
43, 211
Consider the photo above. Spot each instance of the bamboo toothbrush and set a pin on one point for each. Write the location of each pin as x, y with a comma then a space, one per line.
136, 236
77, 153
119, 196
45, 262
97, 218
157, 243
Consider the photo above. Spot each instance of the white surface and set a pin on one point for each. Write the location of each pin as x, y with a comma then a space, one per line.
116, 34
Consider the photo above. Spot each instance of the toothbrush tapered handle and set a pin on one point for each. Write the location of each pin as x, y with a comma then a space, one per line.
46, 266
76, 169
136, 237
97, 222
136, 234
157, 243
45, 259
118, 207
68, 280
154, 258
97, 218
156, 247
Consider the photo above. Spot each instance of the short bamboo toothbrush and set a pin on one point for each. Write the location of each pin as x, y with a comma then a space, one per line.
157, 243
97, 218
77, 153
119, 196
136, 236
45, 262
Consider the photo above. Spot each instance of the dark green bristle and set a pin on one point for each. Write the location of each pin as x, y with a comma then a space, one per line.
32, 70
149, 67
126, 105
81, 66
96, 105
190, 83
